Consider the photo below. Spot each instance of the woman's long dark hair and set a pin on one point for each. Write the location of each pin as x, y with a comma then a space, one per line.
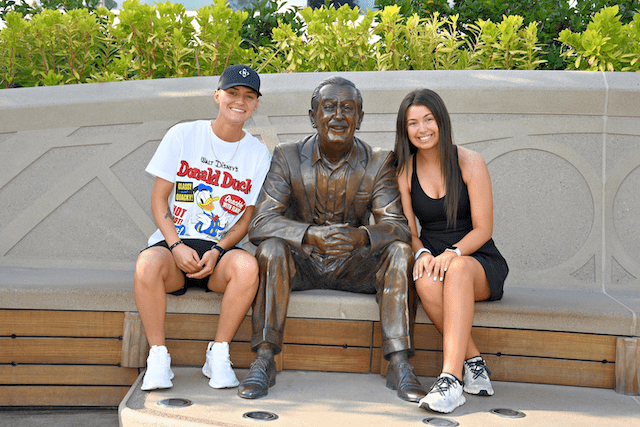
404, 148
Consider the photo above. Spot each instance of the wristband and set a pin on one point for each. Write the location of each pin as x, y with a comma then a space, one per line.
175, 244
454, 249
220, 249
420, 251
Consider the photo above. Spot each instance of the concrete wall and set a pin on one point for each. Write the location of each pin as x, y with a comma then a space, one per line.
563, 150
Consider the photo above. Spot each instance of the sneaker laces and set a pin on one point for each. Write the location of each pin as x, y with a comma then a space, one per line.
443, 384
219, 357
478, 368
225, 359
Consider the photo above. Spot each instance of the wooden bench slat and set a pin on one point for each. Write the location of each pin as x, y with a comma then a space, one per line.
552, 371
326, 358
297, 330
529, 369
192, 353
30, 323
328, 332
62, 395
560, 345
73, 351
67, 375
201, 327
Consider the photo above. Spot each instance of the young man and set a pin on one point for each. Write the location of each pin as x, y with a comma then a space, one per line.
208, 176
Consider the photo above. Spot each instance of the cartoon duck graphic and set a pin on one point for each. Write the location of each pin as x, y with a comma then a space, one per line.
207, 222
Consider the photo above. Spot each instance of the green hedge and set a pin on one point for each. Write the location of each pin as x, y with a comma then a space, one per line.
145, 42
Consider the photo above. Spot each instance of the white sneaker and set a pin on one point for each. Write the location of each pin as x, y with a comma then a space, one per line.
445, 394
476, 377
158, 373
218, 366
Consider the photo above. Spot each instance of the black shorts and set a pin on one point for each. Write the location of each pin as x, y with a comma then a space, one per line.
200, 246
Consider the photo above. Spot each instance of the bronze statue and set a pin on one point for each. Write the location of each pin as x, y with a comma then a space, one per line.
311, 225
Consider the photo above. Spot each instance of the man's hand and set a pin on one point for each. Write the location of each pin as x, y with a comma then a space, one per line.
336, 240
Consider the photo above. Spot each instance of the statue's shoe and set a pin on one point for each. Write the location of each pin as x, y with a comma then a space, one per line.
261, 376
401, 377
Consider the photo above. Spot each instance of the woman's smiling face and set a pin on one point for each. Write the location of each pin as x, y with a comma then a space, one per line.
422, 127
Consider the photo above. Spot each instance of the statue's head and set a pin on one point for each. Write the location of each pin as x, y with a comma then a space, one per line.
336, 113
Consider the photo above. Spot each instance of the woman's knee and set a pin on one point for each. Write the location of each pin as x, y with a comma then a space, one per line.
429, 291
149, 265
461, 267
244, 265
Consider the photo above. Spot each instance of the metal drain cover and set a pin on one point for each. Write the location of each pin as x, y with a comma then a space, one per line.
260, 416
175, 402
440, 422
507, 413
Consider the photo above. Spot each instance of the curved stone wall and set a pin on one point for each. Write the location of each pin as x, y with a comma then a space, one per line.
563, 150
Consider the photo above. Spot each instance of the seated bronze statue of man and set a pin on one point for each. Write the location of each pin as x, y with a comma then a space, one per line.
312, 228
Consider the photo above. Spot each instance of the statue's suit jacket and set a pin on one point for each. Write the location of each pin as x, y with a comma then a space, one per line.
287, 200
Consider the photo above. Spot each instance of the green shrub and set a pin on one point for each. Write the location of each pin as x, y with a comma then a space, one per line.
335, 40
53, 48
417, 43
27, 9
550, 16
606, 45
263, 17
80, 45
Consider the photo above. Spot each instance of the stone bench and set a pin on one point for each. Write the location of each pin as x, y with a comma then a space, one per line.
88, 317
561, 148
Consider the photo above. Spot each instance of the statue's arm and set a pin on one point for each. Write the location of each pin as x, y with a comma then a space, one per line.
390, 224
272, 216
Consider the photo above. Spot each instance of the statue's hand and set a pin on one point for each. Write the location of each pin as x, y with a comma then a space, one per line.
336, 239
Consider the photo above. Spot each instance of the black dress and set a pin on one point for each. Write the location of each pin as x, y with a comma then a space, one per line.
436, 236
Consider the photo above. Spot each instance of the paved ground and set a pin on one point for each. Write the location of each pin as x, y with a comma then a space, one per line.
302, 398
59, 418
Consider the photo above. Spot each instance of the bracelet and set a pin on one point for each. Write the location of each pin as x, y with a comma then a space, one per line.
175, 244
454, 249
420, 252
220, 249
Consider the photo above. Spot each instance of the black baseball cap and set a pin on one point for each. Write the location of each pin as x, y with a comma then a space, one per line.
240, 75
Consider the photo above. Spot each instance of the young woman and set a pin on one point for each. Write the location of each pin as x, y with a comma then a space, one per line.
449, 190
208, 176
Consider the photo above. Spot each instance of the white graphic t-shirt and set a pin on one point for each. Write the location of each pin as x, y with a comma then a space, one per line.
214, 181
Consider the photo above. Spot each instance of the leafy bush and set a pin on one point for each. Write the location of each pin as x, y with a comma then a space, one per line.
550, 16
32, 8
52, 48
80, 45
263, 17
606, 44
335, 40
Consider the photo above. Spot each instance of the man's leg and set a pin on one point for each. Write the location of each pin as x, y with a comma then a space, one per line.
276, 267
397, 315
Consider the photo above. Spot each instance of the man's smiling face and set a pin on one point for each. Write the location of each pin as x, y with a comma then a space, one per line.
336, 117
